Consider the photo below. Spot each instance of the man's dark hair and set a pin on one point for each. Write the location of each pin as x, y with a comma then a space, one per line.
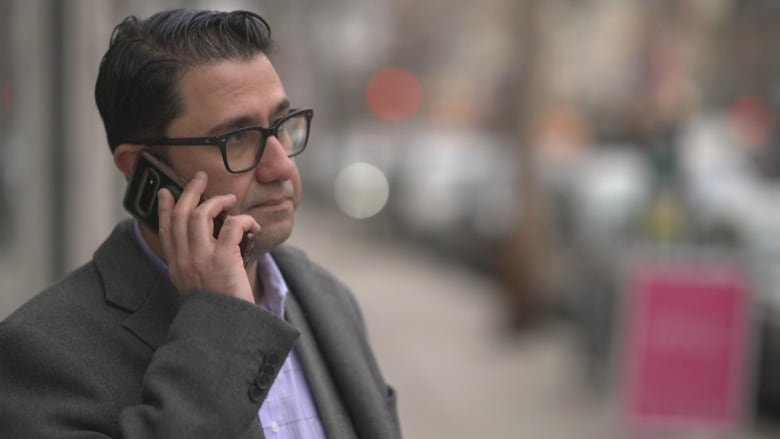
137, 86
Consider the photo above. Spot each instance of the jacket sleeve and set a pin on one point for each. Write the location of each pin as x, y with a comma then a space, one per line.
202, 382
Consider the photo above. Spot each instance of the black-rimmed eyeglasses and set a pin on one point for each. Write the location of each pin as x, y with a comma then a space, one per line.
243, 148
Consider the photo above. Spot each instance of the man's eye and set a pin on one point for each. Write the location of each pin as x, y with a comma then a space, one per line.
281, 119
237, 138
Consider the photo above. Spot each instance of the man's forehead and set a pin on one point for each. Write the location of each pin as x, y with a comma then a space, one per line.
217, 93
229, 76
244, 120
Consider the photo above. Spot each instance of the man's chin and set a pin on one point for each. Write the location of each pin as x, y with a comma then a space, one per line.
272, 234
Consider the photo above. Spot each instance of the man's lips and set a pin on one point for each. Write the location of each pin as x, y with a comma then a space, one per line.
271, 203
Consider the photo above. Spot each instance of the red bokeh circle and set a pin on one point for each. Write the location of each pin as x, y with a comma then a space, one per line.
394, 93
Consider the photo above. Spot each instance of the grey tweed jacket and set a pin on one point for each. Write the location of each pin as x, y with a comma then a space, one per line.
112, 351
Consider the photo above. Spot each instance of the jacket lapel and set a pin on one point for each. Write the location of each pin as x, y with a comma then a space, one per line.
133, 284
341, 341
333, 415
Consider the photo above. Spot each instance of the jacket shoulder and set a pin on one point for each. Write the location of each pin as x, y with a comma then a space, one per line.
75, 294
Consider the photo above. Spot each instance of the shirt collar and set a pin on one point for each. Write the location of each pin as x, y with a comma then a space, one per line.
268, 275
274, 287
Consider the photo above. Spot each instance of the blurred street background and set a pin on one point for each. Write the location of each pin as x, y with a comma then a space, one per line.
442, 343
561, 217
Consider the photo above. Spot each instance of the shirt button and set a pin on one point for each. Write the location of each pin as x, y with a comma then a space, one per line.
274, 427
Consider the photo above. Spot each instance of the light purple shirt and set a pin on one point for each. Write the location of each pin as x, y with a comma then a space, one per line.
288, 411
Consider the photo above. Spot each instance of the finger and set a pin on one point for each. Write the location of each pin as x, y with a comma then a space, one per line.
193, 192
201, 224
233, 230
165, 204
182, 209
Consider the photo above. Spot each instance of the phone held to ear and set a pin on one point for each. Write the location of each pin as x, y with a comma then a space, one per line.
151, 175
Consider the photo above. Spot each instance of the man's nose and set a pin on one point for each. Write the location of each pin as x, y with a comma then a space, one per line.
274, 165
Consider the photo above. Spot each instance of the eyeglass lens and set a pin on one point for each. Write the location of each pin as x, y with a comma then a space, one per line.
244, 147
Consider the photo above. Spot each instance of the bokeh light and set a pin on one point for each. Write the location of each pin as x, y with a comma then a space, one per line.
394, 94
361, 190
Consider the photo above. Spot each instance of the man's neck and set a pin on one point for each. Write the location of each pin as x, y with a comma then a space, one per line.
153, 240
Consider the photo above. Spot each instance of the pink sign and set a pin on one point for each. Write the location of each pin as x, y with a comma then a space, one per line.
686, 347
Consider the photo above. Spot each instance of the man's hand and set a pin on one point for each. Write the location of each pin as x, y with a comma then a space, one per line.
196, 260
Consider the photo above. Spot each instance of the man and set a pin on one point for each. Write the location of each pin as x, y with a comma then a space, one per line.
168, 334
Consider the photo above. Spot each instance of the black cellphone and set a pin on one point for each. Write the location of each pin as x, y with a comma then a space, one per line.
149, 176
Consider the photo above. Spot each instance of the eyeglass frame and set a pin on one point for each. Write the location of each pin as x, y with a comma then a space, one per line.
220, 141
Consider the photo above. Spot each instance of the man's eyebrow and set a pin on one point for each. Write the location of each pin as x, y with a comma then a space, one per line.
282, 108
245, 120
231, 124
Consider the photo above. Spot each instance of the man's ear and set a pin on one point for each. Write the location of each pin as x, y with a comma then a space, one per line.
125, 156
